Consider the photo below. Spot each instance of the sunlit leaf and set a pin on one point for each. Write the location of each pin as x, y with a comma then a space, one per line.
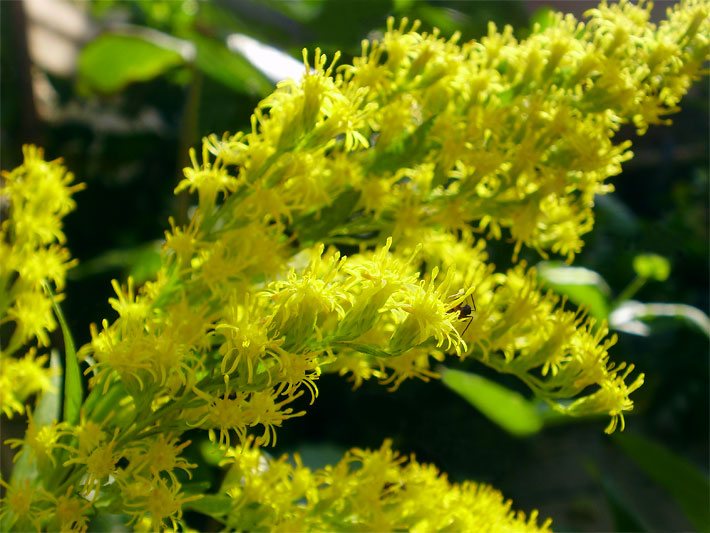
73, 392
581, 285
507, 408
275, 64
112, 61
47, 411
630, 316
229, 68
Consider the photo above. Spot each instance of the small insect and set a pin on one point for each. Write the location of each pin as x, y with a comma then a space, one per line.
465, 311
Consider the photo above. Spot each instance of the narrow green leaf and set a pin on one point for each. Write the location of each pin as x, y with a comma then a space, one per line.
407, 150
509, 409
624, 515
215, 505
139, 262
100, 403
618, 218
544, 16
229, 68
581, 285
629, 316
318, 225
48, 407
687, 485
46, 412
109, 522
271, 61
112, 61
73, 393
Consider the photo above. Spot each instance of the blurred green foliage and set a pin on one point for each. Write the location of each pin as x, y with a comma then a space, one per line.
160, 75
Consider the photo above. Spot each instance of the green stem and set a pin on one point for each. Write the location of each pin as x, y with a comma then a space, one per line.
631, 289
188, 137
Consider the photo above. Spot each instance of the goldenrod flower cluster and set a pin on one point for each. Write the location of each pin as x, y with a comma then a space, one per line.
410, 159
368, 490
33, 200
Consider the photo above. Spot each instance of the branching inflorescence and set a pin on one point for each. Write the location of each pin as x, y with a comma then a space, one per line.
414, 155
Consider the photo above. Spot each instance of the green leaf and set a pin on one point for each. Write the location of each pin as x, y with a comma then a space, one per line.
544, 16
652, 266
146, 265
141, 262
408, 150
229, 68
319, 224
687, 485
214, 505
109, 522
628, 316
402, 5
46, 412
507, 408
112, 61
444, 18
619, 220
210, 452
302, 12
273, 62
581, 285
100, 403
49, 405
73, 393
624, 516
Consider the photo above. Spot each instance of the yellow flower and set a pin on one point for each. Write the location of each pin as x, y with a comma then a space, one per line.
157, 455
265, 409
375, 490
427, 316
223, 413
612, 397
24, 506
100, 462
40, 442
208, 178
302, 302
132, 309
157, 500
20, 379
70, 512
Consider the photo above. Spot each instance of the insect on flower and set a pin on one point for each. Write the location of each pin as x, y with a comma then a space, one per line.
464, 310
